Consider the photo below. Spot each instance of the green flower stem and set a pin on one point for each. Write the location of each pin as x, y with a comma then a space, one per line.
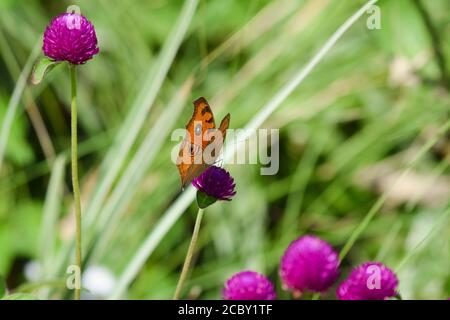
189, 255
75, 183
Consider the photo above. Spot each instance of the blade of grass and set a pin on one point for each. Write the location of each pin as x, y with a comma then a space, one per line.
15, 99
150, 243
440, 222
379, 203
87, 147
298, 185
387, 244
298, 78
270, 15
30, 105
175, 211
271, 51
389, 240
51, 211
352, 151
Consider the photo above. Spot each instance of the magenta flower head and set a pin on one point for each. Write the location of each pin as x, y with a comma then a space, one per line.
70, 37
309, 264
249, 285
369, 281
214, 184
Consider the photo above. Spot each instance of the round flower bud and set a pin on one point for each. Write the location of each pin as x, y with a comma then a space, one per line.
369, 281
248, 285
215, 182
309, 264
70, 37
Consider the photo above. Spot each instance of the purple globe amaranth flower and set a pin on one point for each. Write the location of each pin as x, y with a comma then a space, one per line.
249, 285
70, 37
369, 281
214, 184
309, 264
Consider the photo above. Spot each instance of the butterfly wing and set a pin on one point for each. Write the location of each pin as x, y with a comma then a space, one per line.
202, 118
224, 124
196, 169
193, 145
217, 141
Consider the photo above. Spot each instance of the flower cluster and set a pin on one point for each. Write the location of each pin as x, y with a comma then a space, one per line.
248, 285
369, 281
70, 37
310, 264
215, 182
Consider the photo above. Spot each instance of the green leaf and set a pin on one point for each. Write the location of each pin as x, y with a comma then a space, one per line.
203, 200
20, 296
2, 287
41, 68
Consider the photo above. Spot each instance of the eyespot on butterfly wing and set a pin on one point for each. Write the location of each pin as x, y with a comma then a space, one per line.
191, 162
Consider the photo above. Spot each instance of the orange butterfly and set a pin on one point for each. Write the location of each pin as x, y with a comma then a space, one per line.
202, 144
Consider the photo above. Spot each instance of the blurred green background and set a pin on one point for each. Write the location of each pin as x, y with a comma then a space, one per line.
347, 134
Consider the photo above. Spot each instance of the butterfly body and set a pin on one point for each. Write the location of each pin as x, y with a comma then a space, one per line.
202, 144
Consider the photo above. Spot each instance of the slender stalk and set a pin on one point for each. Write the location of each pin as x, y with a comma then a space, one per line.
189, 255
75, 183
